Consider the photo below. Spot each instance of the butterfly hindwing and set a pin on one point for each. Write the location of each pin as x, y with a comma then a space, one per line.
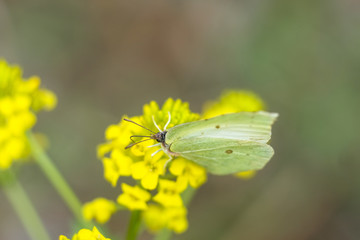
224, 156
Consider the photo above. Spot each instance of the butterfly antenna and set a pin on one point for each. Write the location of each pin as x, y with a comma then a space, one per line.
132, 144
169, 120
155, 123
128, 120
138, 136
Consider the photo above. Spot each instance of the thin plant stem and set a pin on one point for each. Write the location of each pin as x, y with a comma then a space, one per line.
134, 225
24, 208
187, 195
56, 179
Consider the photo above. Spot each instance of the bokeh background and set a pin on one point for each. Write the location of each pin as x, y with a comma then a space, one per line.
104, 59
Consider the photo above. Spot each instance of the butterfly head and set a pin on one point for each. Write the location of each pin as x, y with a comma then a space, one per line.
159, 136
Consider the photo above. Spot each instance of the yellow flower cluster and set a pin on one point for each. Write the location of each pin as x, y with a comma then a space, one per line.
157, 217
86, 234
158, 194
20, 99
233, 101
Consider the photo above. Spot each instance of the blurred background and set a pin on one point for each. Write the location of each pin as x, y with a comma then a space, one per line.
104, 59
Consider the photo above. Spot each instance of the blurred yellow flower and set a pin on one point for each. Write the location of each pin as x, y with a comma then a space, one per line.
158, 217
246, 174
20, 99
177, 219
232, 101
154, 218
187, 173
133, 198
44, 99
100, 208
62, 237
86, 234
169, 194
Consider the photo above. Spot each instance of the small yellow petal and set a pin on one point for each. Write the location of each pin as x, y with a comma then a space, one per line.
62, 237
100, 209
246, 174
103, 149
113, 131
139, 170
177, 166
150, 180
111, 172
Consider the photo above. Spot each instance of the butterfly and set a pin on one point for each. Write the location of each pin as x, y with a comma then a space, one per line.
223, 144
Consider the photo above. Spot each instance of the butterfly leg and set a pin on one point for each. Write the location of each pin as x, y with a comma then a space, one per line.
154, 153
157, 144
167, 162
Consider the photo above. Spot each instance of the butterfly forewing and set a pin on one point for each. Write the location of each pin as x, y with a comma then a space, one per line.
247, 126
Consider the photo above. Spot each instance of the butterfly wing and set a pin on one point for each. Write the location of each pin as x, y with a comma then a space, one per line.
224, 156
225, 144
246, 126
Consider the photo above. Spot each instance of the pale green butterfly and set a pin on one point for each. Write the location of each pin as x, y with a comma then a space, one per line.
224, 144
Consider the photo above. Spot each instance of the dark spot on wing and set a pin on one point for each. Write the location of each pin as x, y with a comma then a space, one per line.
217, 126
206, 119
229, 151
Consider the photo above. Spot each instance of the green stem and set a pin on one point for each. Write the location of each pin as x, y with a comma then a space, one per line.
56, 179
134, 225
187, 195
164, 234
24, 208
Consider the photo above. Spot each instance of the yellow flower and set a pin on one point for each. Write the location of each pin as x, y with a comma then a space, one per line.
169, 194
19, 100
177, 219
133, 198
138, 158
157, 217
100, 208
179, 112
120, 161
44, 99
117, 165
187, 173
232, 101
86, 234
118, 136
149, 170
154, 218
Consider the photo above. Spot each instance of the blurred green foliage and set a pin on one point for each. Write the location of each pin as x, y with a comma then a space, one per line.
107, 58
